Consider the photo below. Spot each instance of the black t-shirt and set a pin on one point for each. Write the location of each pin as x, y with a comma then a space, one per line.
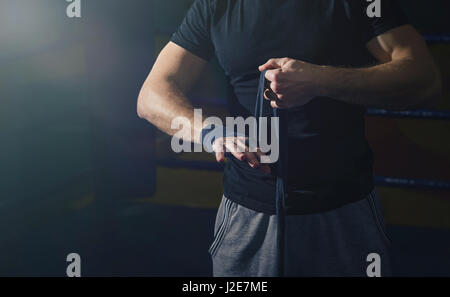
330, 161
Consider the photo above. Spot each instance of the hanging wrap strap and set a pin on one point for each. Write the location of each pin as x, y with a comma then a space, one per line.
281, 167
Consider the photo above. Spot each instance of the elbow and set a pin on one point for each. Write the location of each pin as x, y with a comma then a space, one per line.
435, 98
150, 98
426, 93
142, 109
432, 92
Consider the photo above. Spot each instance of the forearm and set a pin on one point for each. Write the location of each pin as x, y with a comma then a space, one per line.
399, 84
162, 101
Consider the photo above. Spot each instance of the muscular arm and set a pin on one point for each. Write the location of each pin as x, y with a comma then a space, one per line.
406, 76
163, 95
163, 98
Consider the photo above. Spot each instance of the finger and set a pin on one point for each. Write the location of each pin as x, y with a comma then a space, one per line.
274, 75
238, 155
263, 167
252, 160
266, 95
270, 95
241, 144
271, 64
231, 147
280, 104
277, 87
220, 156
218, 145
259, 154
276, 104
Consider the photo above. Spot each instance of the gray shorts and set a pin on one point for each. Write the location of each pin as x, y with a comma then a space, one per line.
333, 243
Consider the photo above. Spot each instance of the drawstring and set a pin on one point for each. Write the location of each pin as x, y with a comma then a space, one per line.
281, 168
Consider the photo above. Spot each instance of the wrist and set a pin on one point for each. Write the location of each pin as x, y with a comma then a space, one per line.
324, 80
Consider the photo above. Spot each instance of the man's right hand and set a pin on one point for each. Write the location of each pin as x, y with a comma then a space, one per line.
237, 146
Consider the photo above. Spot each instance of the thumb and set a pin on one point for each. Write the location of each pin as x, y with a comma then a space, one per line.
271, 64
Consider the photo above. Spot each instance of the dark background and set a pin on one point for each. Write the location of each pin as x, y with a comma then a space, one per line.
80, 172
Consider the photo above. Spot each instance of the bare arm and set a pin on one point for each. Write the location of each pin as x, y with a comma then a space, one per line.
163, 98
405, 78
163, 95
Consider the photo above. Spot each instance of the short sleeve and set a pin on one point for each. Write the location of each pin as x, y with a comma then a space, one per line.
194, 32
391, 17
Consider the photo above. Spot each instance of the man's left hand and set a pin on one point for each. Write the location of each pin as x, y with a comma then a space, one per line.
292, 82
